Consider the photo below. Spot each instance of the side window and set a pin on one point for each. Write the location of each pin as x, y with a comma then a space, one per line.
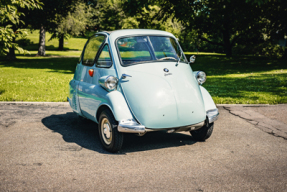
92, 48
104, 59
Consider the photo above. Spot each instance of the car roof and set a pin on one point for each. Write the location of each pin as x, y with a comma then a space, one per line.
127, 32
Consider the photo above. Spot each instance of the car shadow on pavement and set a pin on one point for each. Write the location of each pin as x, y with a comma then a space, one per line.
85, 134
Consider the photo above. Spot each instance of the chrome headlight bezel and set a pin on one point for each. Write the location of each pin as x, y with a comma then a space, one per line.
110, 82
200, 77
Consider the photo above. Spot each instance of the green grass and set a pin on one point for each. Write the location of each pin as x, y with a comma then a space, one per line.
202, 53
32, 78
36, 78
244, 79
236, 80
54, 54
240, 80
30, 42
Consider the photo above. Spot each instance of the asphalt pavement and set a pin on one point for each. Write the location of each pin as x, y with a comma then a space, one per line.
45, 147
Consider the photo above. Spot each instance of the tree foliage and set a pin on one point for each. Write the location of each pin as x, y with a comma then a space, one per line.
111, 15
45, 18
248, 26
74, 23
225, 23
10, 18
275, 18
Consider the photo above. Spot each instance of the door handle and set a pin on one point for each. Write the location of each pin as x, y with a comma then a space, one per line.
125, 76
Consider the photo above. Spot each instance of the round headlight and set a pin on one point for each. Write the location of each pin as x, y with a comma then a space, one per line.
200, 77
111, 83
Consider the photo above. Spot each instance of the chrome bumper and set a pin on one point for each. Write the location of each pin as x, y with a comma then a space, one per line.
212, 115
130, 126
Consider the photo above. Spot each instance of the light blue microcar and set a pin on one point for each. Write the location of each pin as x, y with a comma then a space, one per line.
137, 81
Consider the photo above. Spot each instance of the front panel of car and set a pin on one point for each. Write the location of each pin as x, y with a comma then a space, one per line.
161, 99
161, 94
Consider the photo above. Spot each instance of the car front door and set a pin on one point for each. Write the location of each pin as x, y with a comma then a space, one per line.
89, 77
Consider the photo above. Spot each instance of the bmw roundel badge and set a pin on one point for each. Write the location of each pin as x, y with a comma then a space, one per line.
165, 70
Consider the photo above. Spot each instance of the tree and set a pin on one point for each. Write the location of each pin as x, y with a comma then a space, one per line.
45, 18
111, 15
11, 24
73, 24
224, 21
276, 21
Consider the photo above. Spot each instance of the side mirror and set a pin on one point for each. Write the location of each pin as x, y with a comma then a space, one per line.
192, 59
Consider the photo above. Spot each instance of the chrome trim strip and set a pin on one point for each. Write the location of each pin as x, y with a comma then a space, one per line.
212, 115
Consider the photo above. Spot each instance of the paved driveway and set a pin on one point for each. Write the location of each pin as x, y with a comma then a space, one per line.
44, 147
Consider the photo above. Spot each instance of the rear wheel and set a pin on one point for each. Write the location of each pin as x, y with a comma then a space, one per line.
203, 133
111, 139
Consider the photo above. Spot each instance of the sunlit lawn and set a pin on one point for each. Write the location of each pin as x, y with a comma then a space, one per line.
32, 78
244, 79
75, 44
241, 79
54, 54
36, 79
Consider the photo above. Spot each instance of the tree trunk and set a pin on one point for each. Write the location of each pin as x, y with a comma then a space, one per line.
228, 49
61, 42
11, 54
226, 43
284, 57
42, 41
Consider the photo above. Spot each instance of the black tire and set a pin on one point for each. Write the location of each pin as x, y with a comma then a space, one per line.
111, 139
203, 133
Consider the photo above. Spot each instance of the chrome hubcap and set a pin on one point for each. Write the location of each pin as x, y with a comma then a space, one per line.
106, 131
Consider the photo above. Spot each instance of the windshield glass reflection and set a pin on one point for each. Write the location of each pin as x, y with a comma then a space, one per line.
149, 48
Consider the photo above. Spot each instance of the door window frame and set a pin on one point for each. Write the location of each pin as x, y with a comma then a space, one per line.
100, 48
99, 53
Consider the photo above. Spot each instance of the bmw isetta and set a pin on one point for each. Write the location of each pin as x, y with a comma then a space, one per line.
137, 81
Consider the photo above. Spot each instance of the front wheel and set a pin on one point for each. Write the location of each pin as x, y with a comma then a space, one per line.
111, 139
203, 133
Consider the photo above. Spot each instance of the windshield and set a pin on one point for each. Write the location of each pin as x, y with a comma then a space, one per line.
149, 48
